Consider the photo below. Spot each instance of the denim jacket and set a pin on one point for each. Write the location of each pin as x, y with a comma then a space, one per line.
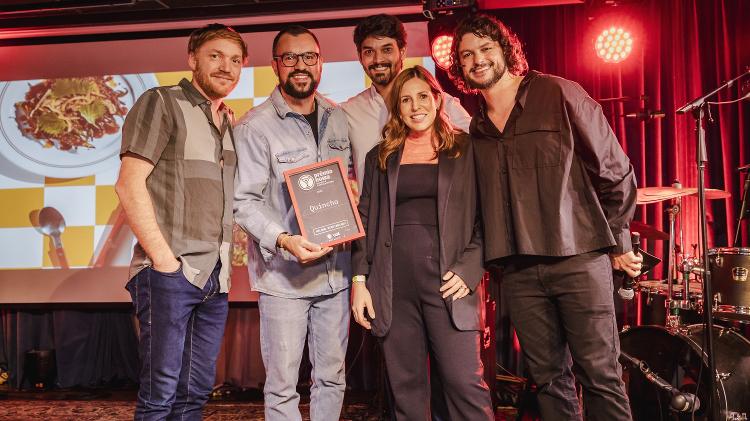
270, 139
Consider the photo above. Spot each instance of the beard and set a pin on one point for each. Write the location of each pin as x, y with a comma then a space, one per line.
212, 90
497, 74
289, 87
381, 77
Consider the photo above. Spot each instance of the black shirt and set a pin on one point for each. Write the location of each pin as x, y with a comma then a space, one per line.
416, 195
312, 118
556, 182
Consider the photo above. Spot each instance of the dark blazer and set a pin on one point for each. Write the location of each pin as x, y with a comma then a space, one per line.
458, 225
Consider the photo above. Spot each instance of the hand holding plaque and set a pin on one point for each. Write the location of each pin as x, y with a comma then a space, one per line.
324, 203
305, 251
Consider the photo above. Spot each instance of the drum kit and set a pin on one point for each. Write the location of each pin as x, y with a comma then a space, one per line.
694, 363
666, 369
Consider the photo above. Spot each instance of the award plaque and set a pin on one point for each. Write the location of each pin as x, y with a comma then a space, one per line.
324, 203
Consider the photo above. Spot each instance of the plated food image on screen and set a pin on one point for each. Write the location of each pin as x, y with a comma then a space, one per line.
239, 246
71, 113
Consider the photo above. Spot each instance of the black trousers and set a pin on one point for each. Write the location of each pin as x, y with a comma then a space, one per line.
563, 312
421, 328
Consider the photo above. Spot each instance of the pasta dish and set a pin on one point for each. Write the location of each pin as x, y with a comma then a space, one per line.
72, 112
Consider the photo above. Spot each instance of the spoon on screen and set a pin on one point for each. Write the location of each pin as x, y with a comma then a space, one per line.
52, 224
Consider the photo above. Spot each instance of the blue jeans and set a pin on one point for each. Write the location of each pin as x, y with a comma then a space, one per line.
284, 325
181, 328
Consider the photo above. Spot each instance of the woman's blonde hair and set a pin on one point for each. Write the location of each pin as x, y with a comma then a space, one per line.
395, 130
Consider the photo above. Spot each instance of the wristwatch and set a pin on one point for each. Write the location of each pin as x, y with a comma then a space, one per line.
359, 278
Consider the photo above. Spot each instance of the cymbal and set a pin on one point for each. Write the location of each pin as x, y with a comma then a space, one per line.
647, 231
661, 286
646, 195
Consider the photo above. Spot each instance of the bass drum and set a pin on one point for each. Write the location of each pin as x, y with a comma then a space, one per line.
678, 359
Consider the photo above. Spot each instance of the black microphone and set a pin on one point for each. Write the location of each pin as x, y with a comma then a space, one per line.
680, 402
685, 402
626, 290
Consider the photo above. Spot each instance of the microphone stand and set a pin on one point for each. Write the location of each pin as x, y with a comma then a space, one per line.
700, 102
744, 208
678, 398
699, 108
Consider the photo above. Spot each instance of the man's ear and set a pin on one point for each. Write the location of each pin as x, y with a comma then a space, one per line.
192, 61
275, 66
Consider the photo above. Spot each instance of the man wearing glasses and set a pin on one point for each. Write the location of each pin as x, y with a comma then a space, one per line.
303, 287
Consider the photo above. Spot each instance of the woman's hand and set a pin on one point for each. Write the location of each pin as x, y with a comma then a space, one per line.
355, 191
455, 286
362, 300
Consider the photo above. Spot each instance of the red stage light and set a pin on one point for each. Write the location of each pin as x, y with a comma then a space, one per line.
441, 51
613, 45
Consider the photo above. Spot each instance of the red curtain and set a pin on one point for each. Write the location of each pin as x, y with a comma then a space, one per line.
682, 50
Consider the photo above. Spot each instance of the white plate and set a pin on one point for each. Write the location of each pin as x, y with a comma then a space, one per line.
29, 154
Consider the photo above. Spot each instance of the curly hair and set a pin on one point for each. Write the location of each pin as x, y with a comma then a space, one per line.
486, 26
395, 130
381, 25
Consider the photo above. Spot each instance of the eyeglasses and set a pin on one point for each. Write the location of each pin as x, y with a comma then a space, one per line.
291, 59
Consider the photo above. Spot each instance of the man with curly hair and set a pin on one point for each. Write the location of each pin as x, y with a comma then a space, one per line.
557, 196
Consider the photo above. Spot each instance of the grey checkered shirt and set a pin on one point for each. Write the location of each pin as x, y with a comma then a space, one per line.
192, 183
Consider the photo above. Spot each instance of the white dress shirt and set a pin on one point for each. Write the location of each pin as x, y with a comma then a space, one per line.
367, 113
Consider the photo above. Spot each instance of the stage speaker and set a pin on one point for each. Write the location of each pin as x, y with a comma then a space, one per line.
40, 368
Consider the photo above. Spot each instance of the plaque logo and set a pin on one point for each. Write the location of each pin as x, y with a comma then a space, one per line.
306, 182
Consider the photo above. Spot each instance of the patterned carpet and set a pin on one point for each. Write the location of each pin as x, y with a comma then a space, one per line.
25, 410
118, 406
16, 410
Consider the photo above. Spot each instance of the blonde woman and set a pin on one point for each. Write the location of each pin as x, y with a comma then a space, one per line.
420, 264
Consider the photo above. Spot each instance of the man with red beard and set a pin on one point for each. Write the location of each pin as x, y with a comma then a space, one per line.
304, 288
175, 184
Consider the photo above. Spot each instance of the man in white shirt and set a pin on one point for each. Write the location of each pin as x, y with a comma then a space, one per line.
381, 47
